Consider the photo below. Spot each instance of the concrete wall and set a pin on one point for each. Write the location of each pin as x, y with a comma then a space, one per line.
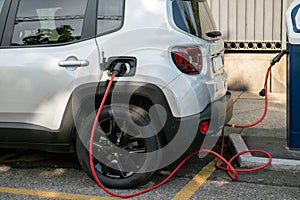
259, 23
246, 71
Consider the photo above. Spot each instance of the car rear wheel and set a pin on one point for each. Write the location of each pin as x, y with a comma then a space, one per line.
120, 147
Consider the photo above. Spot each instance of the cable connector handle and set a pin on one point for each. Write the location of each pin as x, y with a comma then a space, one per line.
120, 69
279, 56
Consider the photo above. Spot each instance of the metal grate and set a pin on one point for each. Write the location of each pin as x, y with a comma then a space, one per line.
253, 45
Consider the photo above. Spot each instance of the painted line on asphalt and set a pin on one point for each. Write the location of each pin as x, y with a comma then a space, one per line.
193, 185
59, 195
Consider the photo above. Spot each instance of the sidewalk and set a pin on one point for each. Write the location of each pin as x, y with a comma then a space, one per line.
270, 135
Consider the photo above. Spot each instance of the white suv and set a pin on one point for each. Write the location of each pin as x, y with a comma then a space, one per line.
170, 95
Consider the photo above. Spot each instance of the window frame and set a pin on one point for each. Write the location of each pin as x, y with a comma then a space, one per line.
88, 29
3, 17
113, 30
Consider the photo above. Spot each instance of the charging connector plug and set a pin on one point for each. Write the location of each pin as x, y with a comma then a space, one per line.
120, 69
279, 56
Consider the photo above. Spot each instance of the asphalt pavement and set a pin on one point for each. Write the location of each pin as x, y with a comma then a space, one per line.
29, 174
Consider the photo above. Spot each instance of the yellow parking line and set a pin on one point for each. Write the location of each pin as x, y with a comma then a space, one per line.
189, 189
58, 195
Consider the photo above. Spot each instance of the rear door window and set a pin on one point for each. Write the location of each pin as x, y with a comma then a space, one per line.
3, 16
110, 16
48, 22
1, 5
193, 17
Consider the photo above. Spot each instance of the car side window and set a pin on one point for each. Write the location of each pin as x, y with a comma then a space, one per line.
193, 17
110, 15
48, 22
1, 5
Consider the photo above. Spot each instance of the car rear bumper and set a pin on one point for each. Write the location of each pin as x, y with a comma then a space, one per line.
217, 114
218, 119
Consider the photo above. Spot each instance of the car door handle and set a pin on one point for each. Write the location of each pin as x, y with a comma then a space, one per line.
73, 63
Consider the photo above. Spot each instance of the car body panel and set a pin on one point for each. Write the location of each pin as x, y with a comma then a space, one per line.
38, 90
153, 42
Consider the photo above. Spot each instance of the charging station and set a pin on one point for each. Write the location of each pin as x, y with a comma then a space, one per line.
293, 74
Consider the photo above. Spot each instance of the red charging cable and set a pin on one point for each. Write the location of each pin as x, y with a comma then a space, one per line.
266, 104
230, 170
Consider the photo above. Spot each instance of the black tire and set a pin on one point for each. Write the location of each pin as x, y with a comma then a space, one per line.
111, 160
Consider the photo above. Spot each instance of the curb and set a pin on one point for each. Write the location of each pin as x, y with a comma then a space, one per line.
249, 161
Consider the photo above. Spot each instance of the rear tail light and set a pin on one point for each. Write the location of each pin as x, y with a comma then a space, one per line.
188, 59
